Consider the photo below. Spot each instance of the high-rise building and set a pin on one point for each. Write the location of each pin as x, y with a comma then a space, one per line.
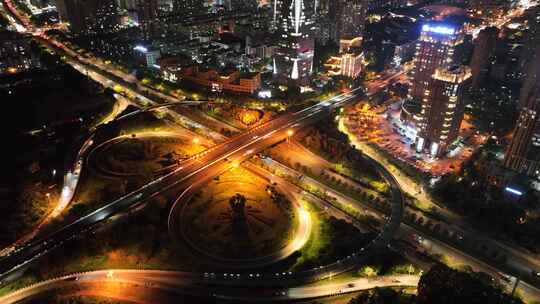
437, 50
90, 17
188, 7
105, 18
523, 154
347, 18
147, 12
130, 5
235, 5
379, 4
442, 114
72, 11
436, 47
293, 60
484, 49
277, 10
351, 18
325, 30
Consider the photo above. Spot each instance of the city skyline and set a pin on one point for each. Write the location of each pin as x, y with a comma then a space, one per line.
270, 151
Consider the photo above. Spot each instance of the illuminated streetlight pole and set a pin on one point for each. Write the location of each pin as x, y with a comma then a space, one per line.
289, 134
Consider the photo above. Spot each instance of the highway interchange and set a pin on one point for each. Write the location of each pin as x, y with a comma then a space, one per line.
198, 168
193, 171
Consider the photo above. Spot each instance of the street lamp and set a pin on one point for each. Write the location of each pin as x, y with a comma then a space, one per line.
289, 134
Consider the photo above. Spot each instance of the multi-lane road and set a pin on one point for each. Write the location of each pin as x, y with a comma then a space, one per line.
153, 286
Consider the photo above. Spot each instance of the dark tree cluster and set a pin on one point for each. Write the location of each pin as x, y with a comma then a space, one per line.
469, 193
381, 296
329, 142
442, 285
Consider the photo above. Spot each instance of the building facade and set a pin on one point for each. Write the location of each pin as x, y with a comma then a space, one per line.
90, 17
147, 13
293, 58
351, 18
484, 49
231, 81
441, 116
523, 154
351, 64
436, 47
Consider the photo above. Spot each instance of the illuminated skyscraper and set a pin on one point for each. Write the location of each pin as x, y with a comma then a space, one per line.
351, 20
293, 60
277, 10
523, 154
90, 17
437, 49
147, 11
105, 18
441, 116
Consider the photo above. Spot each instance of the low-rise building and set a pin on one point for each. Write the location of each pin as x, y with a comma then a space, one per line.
146, 56
230, 80
348, 64
172, 67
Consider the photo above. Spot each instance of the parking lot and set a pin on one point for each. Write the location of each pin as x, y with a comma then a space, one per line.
384, 128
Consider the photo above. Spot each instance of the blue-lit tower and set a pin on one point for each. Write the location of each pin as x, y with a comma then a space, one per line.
437, 50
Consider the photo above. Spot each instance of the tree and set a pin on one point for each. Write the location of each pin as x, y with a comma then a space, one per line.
444, 285
379, 296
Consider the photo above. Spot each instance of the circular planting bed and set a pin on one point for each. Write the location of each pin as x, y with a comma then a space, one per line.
142, 154
238, 216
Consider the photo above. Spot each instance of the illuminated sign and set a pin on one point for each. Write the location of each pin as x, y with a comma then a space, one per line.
514, 191
438, 29
141, 48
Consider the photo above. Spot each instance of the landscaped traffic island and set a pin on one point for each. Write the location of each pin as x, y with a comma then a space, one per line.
238, 215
